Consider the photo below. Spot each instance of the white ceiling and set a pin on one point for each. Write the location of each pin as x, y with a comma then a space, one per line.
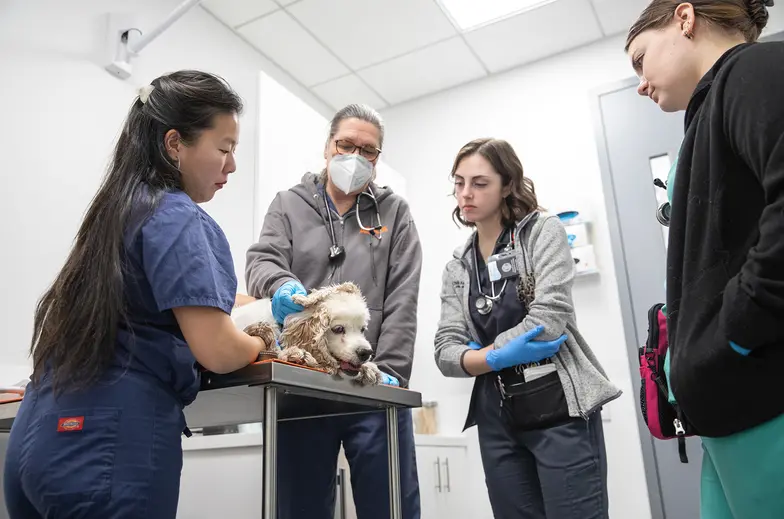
385, 52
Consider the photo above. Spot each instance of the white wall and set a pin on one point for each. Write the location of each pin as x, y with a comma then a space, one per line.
543, 110
291, 143
61, 115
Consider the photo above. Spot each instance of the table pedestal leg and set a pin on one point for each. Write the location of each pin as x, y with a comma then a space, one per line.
270, 461
394, 464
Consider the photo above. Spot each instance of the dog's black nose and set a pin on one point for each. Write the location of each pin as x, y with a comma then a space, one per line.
364, 354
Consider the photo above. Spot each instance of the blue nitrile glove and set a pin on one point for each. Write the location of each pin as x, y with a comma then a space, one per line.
282, 305
740, 349
389, 380
522, 350
474, 345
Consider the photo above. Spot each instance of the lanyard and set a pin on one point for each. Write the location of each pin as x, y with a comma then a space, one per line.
484, 303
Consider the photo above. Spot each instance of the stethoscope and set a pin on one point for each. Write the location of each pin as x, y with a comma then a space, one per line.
664, 210
484, 303
336, 251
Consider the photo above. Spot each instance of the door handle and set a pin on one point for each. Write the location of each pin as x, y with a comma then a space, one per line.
448, 484
437, 463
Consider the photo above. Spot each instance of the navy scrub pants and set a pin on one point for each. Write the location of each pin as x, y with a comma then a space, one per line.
555, 473
307, 466
110, 452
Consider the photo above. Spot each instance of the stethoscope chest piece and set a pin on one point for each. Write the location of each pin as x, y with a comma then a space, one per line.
484, 305
336, 251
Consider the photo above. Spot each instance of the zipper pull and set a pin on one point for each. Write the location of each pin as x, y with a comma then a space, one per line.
679, 430
501, 391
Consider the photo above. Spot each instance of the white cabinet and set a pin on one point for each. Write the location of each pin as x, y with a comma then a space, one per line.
442, 470
229, 466
442, 478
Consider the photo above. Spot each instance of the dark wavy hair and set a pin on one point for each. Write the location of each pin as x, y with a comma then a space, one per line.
77, 319
748, 17
522, 197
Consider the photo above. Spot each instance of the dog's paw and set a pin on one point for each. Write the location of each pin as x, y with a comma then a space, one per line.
369, 375
265, 331
297, 356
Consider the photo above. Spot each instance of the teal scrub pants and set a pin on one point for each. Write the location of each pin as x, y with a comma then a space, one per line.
743, 474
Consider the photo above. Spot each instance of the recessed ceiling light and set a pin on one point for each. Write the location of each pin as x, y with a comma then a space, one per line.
469, 14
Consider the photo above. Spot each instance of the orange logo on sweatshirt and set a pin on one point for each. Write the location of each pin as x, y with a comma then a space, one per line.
375, 231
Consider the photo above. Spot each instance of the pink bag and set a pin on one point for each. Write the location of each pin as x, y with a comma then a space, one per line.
664, 420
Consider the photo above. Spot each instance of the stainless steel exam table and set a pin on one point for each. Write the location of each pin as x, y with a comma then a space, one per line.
272, 391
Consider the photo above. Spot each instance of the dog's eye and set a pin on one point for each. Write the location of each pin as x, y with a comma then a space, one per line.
364, 329
338, 330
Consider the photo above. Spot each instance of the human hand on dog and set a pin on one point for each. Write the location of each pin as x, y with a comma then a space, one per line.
282, 302
389, 380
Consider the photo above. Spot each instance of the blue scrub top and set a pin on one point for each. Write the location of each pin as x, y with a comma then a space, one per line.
179, 257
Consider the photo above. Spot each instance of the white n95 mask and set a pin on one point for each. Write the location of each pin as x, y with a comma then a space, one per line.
350, 172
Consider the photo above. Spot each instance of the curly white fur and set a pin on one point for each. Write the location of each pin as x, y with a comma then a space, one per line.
328, 334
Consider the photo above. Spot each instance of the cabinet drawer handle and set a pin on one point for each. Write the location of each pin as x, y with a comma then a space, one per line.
437, 463
448, 484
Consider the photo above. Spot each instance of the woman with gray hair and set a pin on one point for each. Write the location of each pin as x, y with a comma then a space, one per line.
334, 227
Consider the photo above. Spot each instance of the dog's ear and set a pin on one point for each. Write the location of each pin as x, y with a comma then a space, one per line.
348, 288
318, 296
305, 330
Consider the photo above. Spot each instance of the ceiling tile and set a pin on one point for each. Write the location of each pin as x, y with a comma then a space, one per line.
282, 40
535, 34
617, 16
425, 71
347, 90
237, 12
364, 33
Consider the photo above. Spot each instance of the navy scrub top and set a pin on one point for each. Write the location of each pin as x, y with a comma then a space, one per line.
507, 311
179, 257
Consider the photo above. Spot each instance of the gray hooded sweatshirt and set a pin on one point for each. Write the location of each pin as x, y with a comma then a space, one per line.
546, 256
295, 243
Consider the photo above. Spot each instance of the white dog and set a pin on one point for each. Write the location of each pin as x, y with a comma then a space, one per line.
328, 334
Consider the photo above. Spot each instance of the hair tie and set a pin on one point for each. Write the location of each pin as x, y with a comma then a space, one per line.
144, 93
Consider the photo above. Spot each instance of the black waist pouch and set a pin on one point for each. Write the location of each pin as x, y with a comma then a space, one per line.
531, 405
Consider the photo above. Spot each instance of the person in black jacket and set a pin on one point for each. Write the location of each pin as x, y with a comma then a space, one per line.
725, 263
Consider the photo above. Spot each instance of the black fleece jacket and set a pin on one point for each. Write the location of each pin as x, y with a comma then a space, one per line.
725, 263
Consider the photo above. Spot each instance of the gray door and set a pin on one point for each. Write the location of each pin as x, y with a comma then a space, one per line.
637, 142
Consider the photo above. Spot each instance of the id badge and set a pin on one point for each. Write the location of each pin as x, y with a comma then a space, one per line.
502, 266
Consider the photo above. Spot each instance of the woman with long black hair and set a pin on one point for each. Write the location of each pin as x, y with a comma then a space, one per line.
144, 295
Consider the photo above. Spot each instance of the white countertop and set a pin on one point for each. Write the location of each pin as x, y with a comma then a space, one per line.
241, 440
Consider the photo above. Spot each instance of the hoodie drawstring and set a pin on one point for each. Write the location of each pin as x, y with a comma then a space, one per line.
372, 260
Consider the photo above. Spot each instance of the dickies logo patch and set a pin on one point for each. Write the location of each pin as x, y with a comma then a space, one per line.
71, 423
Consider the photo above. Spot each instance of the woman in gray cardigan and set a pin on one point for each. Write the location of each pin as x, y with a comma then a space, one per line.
507, 319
